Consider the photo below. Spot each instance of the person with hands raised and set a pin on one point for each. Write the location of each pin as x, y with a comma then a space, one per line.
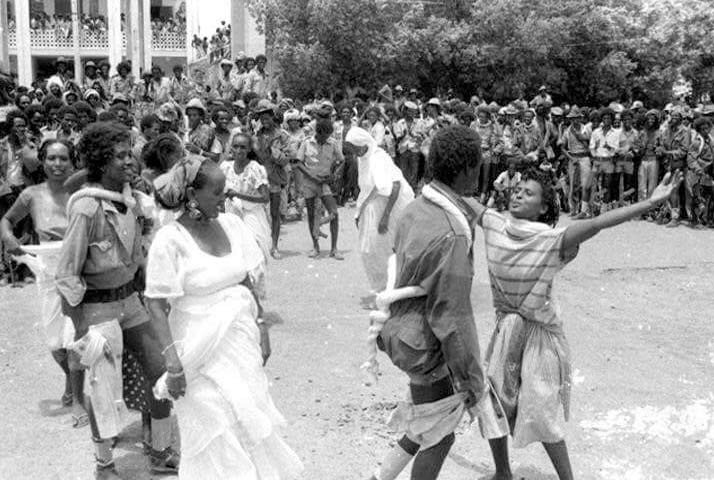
527, 362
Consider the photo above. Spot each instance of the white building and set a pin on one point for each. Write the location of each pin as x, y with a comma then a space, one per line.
159, 32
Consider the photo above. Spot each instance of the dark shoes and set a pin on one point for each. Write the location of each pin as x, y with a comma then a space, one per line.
165, 461
106, 472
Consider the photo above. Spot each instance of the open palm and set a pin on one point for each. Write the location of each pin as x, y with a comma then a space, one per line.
667, 186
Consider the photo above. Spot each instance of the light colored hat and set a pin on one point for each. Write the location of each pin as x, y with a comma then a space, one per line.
167, 113
225, 61
240, 104
434, 101
411, 105
542, 87
574, 112
119, 97
678, 110
90, 64
616, 107
557, 111
398, 88
708, 109
483, 108
637, 104
90, 92
668, 107
61, 60
197, 104
263, 106
292, 114
511, 110
652, 111
326, 104
503, 111
494, 107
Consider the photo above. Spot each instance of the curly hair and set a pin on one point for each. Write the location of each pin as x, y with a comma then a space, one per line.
42, 152
124, 65
31, 110
548, 194
452, 151
13, 114
98, 143
155, 153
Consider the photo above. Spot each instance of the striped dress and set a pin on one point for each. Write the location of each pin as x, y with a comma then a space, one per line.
527, 361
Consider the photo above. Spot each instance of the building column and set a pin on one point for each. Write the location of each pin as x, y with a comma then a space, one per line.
237, 27
146, 32
134, 40
191, 28
114, 33
4, 34
24, 53
78, 67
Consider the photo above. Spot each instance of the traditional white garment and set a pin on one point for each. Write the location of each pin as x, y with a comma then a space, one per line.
254, 215
227, 419
377, 174
56, 329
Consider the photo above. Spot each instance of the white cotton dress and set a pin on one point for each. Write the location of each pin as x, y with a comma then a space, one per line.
254, 215
227, 419
377, 174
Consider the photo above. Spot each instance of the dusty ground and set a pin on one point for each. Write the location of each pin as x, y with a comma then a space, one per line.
637, 308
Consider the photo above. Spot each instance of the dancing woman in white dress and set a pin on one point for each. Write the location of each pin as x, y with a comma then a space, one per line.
201, 270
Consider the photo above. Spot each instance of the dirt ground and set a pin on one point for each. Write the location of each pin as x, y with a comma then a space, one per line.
636, 305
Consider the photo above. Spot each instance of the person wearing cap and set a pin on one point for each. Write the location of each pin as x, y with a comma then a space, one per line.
409, 135
511, 136
676, 140
698, 181
61, 74
227, 81
257, 80
201, 138
179, 85
320, 160
624, 157
575, 144
122, 82
90, 75
541, 98
292, 124
272, 146
491, 149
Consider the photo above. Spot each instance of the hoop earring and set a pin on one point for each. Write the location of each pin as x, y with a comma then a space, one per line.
193, 212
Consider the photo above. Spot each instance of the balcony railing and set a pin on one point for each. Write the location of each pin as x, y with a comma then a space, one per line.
58, 40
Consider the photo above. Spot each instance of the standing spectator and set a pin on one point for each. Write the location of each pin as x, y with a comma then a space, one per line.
648, 142
122, 82
321, 158
257, 81
271, 144
179, 86
604, 142
61, 75
624, 158
576, 148
90, 75
409, 136
201, 138
700, 159
491, 148
676, 140
149, 126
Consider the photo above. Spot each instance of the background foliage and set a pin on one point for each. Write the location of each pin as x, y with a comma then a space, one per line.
587, 51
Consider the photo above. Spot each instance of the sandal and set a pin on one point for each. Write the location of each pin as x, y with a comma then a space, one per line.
314, 254
67, 399
275, 254
79, 421
336, 256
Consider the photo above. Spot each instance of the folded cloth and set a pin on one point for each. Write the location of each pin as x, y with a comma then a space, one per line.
100, 350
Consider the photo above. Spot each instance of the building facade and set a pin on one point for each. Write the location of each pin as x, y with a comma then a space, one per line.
146, 32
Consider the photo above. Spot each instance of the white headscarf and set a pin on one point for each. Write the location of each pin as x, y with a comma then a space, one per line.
376, 168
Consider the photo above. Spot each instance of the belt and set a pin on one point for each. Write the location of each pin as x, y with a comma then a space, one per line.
110, 294
604, 159
579, 154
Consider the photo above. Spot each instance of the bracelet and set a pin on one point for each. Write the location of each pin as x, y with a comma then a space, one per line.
173, 344
175, 374
260, 321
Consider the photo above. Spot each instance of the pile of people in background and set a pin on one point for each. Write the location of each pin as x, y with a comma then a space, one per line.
599, 158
